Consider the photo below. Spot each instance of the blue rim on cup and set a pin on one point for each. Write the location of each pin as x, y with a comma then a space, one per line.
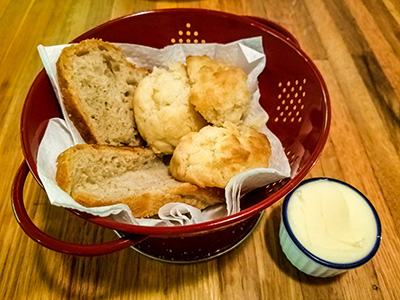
308, 262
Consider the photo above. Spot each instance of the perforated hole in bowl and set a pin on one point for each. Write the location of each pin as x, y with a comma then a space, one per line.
187, 35
291, 101
274, 187
292, 157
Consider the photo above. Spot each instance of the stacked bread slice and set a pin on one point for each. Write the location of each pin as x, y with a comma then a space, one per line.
96, 175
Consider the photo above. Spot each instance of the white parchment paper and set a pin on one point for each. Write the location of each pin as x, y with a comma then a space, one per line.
248, 54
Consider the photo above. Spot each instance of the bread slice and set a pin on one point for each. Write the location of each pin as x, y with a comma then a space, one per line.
98, 175
98, 85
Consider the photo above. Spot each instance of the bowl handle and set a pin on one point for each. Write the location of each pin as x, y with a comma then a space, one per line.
52, 243
289, 37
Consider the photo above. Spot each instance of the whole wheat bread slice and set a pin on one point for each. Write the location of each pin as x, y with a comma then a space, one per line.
98, 175
98, 85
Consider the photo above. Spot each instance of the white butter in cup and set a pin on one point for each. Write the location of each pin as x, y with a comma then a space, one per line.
328, 227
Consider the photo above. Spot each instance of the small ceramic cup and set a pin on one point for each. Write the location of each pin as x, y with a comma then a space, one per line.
297, 252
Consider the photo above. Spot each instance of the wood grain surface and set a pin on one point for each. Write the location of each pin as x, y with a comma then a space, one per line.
355, 45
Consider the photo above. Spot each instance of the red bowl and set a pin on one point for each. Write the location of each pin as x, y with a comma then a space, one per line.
292, 92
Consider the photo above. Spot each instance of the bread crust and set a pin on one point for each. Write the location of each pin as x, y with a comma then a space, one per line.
73, 111
147, 204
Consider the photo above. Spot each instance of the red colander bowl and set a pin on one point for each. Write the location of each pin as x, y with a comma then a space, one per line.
292, 92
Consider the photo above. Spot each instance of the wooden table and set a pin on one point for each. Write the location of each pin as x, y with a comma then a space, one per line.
355, 45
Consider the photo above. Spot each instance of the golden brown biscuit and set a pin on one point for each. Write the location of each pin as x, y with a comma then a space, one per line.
218, 92
212, 156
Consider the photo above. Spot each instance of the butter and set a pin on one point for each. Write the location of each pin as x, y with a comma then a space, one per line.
332, 221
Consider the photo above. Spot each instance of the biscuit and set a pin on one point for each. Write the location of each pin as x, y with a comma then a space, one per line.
212, 156
162, 110
218, 91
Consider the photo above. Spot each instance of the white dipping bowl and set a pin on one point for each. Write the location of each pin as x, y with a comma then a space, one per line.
308, 248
